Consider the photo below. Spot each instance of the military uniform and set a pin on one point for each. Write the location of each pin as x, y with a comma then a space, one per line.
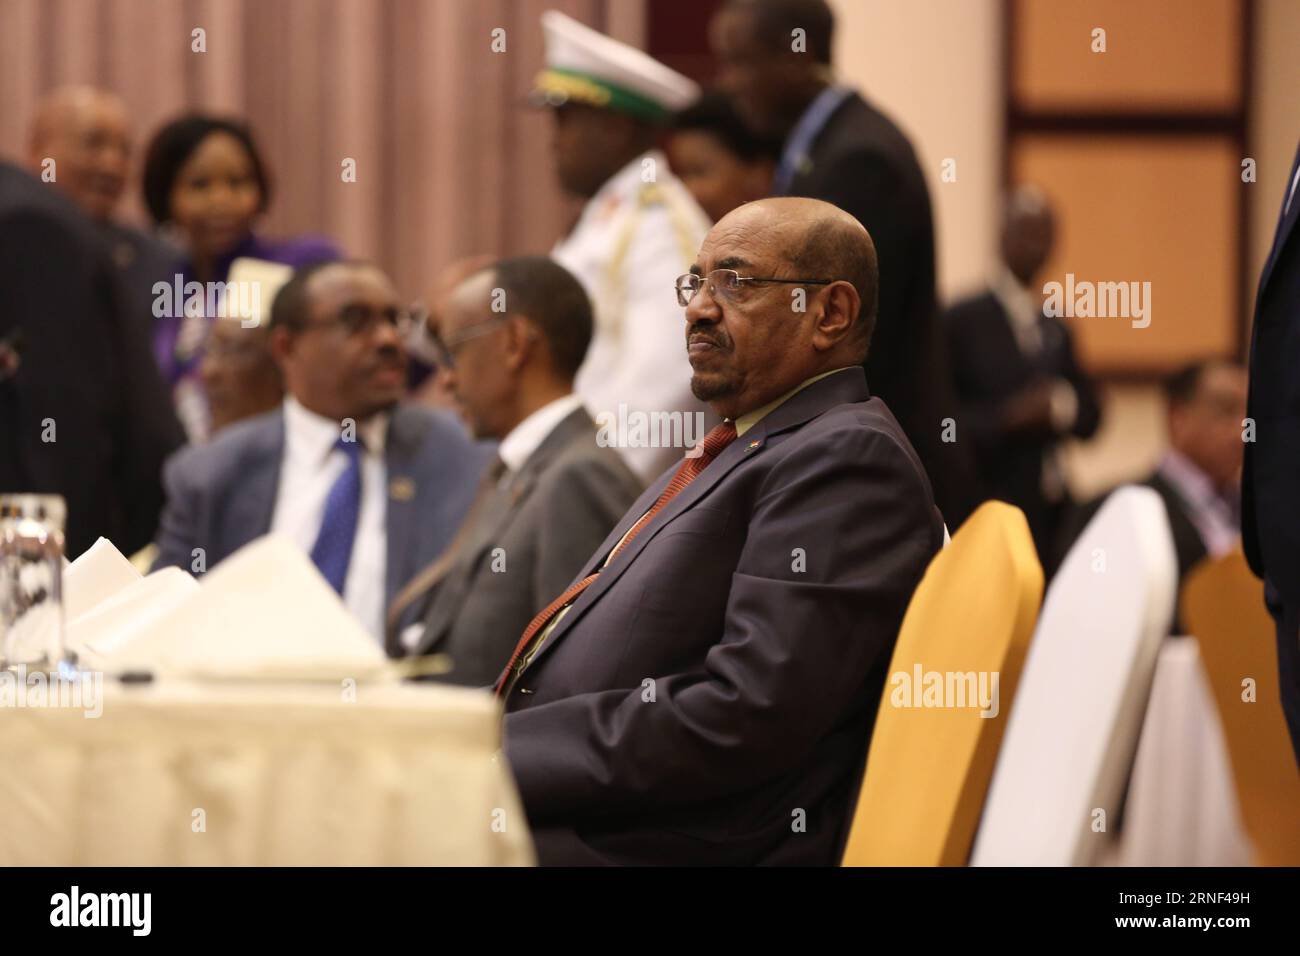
633, 238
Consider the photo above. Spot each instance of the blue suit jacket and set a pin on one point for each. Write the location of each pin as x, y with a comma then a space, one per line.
1270, 487
710, 697
221, 495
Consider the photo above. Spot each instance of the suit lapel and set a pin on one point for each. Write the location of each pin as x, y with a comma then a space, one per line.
401, 498
1285, 224
253, 504
495, 516
841, 388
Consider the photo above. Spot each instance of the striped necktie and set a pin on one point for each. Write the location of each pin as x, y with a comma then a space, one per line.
716, 440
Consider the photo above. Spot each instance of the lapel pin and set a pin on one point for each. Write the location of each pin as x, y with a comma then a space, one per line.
401, 489
752, 445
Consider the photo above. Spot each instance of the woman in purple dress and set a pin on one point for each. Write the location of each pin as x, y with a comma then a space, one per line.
206, 183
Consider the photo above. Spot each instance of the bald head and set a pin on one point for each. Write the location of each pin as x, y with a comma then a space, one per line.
804, 303
820, 241
86, 133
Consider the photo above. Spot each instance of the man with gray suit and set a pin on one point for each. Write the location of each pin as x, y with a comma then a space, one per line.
513, 336
704, 691
371, 488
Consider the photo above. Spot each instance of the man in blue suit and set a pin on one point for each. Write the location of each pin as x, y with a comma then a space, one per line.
371, 488
1270, 506
704, 691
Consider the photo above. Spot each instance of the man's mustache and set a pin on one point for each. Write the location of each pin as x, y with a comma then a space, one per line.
718, 338
387, 356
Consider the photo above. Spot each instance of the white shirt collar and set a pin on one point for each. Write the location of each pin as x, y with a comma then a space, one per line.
313, 436
1020, 304
526, 437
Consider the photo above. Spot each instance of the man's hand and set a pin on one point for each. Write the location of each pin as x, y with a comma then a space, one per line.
1029, 411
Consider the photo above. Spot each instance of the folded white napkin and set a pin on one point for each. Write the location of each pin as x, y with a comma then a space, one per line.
265, 611
98, 573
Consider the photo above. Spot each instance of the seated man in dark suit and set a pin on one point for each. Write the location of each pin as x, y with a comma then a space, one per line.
704, 692
1199, 476
553, 493
371, 487
1020, 390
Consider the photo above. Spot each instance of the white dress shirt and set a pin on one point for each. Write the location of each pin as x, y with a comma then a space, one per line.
526, 437
1213, 514
310, 466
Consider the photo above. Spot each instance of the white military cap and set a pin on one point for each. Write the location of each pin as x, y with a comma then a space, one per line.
585, 66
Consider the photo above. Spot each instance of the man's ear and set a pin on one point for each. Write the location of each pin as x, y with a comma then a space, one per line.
839, 310
521, 339
282, 343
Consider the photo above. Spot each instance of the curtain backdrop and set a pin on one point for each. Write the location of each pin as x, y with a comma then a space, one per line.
450, 161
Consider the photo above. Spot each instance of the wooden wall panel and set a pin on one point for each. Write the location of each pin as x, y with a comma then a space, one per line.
1147, 209
1179, 55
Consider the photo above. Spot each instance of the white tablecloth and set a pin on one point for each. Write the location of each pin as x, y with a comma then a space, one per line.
1182, 806
247, 774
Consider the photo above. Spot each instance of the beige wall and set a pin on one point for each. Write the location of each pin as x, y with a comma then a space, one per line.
936, 67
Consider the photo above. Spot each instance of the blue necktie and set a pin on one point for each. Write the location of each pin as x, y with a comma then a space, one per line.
338, 525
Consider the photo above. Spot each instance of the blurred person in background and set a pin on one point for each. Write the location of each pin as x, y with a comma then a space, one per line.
372, 488
80, 142
1020, 389
206, 184
1199, 476
720, 159
239, 373
639, 227
552, 494
841, 149
82, 411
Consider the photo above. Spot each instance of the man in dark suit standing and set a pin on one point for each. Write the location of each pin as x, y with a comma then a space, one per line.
1020, 389
552, 494
1270, 520
81, 141
775, 58
83, 413
372, 488
704, 692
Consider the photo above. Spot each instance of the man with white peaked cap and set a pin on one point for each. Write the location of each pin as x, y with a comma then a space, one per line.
638, 231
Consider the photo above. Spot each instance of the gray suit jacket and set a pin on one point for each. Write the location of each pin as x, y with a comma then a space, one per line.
718, 682
545, 522
221, 495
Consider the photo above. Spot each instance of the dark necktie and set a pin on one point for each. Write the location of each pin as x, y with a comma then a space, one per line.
338, 525
716, 440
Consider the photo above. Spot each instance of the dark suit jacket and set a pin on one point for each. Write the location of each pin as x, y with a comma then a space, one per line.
1270, 504
863, 163
988, 368
221, 495
85, 367
546, 522
710, 697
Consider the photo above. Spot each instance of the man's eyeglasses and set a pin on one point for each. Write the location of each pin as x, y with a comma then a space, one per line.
726, 284
359, 319
447, 346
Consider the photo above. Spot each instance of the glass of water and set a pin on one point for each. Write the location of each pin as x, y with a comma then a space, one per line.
31, 580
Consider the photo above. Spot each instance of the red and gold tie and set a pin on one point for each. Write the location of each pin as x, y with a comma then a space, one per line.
716, 440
